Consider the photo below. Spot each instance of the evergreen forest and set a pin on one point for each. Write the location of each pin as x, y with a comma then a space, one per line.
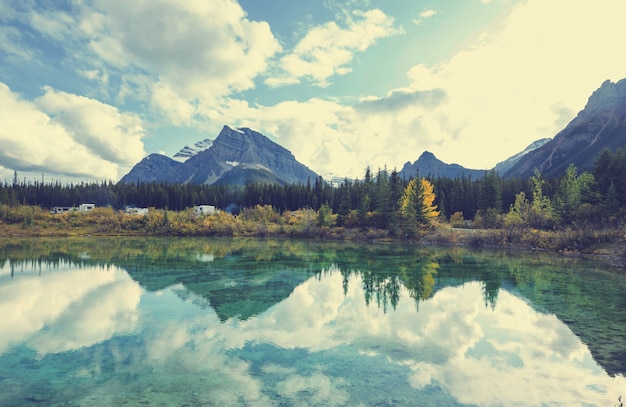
380, 200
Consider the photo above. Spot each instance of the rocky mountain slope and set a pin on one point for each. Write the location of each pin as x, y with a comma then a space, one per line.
251, 155
504, 166
601, 124
153, 168
249, 173
187, 152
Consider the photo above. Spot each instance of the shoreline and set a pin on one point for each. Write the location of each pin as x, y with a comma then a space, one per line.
612, 253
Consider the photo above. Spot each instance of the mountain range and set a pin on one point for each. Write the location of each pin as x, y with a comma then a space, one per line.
600, 125
427, 165
236, 156
240, 156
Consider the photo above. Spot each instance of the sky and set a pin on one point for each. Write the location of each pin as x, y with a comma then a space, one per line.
90, 87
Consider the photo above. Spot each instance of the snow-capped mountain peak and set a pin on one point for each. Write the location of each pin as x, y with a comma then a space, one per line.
187, 152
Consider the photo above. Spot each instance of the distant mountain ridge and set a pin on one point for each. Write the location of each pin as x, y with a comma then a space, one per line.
427, 165
251, 155
504, 166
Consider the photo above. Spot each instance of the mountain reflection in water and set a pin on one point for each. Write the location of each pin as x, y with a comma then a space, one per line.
266, 322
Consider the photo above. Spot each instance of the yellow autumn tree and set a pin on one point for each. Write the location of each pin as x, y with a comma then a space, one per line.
417, 204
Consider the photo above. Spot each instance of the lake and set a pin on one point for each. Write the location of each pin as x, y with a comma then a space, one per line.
252, 322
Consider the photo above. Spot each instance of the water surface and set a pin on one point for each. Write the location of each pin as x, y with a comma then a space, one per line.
214, 322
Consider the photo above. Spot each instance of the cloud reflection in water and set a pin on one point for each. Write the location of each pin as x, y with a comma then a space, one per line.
65, 308
324, 344
506, 355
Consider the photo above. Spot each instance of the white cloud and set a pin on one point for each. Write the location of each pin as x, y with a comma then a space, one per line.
177, 110
61, 133
11, 44
515, 85
338, 140
328, 49
523, 81
427, 13
308, 129
57, 25
275, 82
196, 48
163, 54
102, 129
517, 82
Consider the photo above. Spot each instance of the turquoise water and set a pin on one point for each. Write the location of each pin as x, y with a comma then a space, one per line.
215, 322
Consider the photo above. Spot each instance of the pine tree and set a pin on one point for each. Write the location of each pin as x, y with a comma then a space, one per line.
541, 214
602, 171
610, 204
417, 206
345, 202
568, 197
490, 192
382, 192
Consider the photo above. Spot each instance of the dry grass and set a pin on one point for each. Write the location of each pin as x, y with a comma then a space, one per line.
602, 242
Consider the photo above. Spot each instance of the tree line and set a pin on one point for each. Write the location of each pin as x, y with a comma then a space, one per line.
380, 200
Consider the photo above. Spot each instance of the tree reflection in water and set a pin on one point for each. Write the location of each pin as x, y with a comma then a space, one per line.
240, 278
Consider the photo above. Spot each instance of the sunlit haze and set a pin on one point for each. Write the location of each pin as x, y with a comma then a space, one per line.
88, 88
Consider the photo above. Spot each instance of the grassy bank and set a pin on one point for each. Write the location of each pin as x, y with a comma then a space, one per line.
607, 243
